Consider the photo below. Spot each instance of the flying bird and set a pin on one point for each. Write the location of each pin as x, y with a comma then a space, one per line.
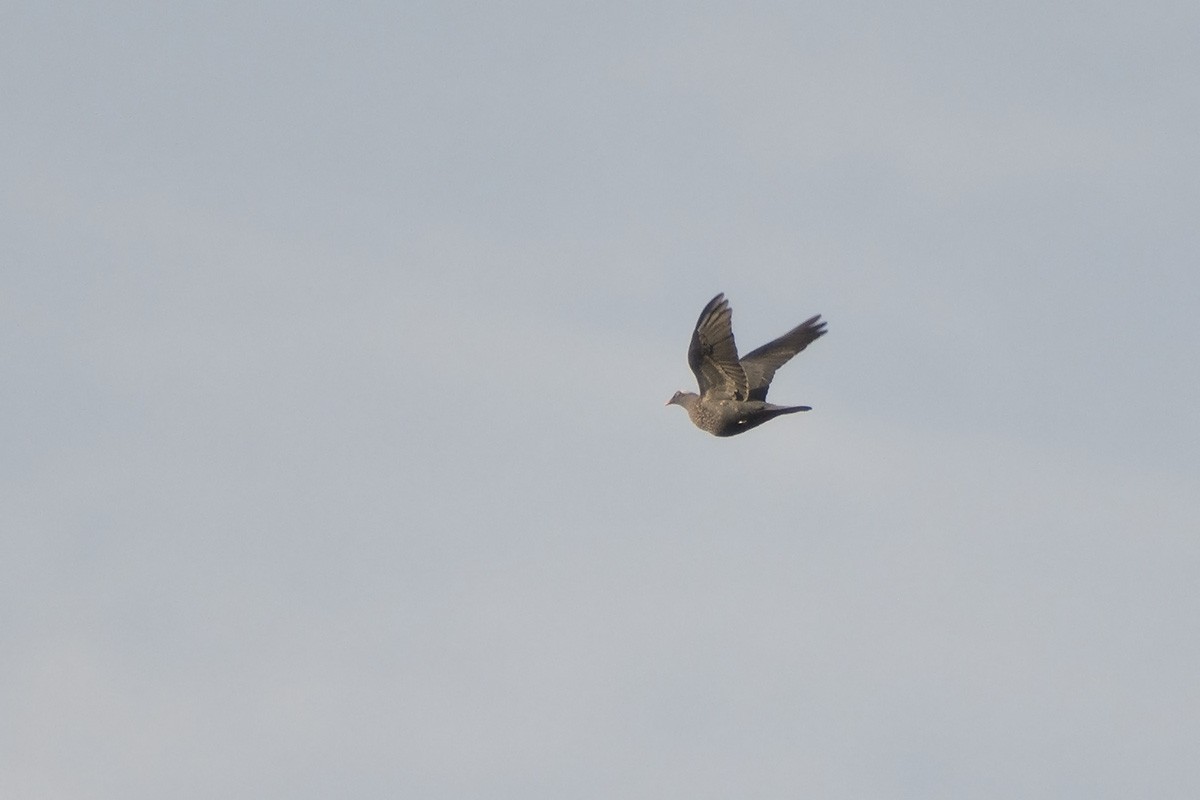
733, 391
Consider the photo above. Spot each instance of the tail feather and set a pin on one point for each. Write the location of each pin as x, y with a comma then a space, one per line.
765, 414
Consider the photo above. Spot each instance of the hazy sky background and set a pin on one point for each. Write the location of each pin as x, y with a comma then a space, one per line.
335, 341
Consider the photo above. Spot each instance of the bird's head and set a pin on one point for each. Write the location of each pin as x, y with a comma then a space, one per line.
681, 399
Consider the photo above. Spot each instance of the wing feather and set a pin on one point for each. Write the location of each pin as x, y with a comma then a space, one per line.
712, 354
760, 364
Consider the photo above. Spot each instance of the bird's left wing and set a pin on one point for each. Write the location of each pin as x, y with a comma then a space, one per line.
713, 353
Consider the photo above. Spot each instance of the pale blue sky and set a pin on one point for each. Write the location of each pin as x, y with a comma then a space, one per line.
334, 347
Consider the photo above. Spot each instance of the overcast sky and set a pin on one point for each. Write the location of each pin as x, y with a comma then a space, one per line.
334, 341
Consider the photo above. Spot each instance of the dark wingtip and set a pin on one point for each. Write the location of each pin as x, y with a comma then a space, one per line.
816, 324
714, 304
714, 307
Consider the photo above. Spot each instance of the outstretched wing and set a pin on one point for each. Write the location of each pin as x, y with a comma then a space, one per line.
760, 365
713, 353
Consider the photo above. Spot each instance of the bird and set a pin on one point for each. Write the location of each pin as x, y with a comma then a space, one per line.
733, 391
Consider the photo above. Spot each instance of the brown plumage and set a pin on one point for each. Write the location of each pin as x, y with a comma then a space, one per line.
733, 391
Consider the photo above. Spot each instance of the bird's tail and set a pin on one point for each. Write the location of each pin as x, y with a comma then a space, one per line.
775, 411
765, 413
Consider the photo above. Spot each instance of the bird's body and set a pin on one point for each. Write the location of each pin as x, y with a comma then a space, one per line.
733, 391
723, 416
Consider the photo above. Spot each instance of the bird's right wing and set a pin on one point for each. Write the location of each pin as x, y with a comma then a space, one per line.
760, 364
713, 353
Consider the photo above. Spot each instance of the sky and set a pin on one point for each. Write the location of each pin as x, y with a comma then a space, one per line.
334, 342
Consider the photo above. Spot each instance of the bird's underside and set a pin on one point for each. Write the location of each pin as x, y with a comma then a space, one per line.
733, 390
